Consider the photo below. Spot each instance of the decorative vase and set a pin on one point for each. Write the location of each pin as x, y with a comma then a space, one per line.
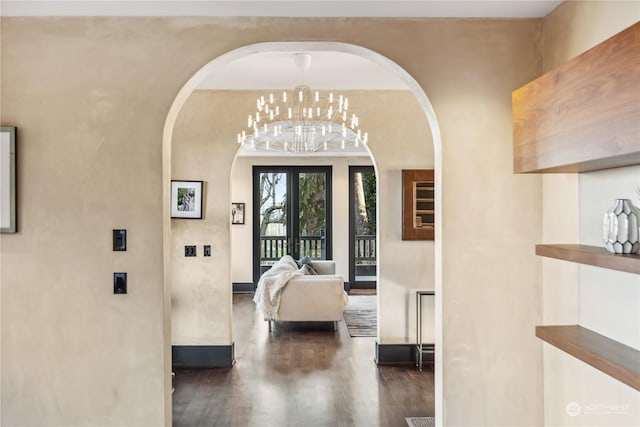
621, 228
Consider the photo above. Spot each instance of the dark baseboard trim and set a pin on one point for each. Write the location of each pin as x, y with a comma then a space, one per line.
202, 356
364, 285
243, 288
399, 354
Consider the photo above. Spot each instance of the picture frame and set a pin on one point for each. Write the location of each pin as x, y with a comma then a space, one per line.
237, 213
8, 208
186, 199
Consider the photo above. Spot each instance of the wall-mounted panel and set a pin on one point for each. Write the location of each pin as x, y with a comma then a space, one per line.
585, 114
418, 204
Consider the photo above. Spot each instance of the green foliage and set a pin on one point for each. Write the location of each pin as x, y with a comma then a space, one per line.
370, 198
312, 203
182, 192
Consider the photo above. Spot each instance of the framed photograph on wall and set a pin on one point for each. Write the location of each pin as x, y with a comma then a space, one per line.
8, 180
237, 213
186, 199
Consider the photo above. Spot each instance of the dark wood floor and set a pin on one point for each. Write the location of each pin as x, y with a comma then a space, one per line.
300, 375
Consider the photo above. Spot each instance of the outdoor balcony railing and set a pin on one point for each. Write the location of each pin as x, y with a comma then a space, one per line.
272, 248
365, 248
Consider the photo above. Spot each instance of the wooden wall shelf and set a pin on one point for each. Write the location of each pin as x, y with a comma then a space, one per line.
611, 357
583, 115
591, 255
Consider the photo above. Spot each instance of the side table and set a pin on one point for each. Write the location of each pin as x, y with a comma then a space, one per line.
421, 348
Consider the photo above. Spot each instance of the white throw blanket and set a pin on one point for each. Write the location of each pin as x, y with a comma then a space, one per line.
270, 285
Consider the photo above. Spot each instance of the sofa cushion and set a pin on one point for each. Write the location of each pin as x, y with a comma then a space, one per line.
307, 271
324, 266
307, 261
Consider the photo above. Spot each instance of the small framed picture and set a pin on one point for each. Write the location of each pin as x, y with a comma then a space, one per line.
186, 199
237, 213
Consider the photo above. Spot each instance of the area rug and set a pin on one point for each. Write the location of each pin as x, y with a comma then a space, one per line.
360, 315
421, 421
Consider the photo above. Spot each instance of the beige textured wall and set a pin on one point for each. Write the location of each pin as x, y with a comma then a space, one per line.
576, 26
603, 300
90, 96
89, 124
491, 291
204, 149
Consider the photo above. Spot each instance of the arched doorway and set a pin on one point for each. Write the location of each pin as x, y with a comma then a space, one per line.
425, 106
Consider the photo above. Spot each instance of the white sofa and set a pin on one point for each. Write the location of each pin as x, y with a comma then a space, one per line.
314, 298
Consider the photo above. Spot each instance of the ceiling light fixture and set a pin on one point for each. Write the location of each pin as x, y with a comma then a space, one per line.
302, 121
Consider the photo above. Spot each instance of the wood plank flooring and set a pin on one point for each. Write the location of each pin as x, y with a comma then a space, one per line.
300, 375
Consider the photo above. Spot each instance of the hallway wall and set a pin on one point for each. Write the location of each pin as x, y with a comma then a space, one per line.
90, 96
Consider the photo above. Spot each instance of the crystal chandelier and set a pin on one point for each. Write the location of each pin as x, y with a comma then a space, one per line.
302, 121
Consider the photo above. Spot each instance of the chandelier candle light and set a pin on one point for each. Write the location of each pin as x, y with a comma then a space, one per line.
302, 121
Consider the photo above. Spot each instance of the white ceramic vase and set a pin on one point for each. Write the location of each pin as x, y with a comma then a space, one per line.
621, 228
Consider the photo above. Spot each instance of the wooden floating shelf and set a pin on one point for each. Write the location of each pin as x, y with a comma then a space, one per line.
611, 357
591, 255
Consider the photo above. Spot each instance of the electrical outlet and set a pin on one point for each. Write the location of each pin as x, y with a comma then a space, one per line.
190, 251
119, 283
207, 250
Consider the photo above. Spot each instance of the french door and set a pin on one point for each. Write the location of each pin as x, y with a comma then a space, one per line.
362, 227
291, 214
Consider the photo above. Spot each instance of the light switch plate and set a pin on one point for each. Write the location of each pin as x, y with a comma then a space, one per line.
190, 250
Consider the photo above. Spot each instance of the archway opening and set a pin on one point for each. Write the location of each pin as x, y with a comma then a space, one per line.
168, 142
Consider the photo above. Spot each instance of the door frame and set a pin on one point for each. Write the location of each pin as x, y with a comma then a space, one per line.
292, 207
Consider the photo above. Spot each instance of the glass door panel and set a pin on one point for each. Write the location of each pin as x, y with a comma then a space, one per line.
362, 227
273, 225
311, 229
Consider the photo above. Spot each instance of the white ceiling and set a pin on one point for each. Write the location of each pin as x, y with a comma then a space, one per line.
328, 70
323, 8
